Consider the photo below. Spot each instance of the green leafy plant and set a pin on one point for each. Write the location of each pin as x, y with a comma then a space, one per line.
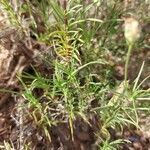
78, 37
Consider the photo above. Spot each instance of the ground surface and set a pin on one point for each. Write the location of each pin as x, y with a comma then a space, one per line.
84, 137
17, 53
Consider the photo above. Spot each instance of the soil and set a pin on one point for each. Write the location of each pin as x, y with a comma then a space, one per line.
60, 137
17, 55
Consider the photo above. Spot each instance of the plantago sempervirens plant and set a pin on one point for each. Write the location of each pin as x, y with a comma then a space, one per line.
132, 31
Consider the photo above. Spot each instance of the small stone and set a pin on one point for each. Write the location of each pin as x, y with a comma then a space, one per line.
127, 133
2, 121
131, 148
137, 146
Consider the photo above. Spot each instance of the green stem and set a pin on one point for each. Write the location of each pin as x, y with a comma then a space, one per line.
127, 64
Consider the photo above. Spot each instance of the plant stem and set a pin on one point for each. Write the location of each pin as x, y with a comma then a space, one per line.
127, 63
